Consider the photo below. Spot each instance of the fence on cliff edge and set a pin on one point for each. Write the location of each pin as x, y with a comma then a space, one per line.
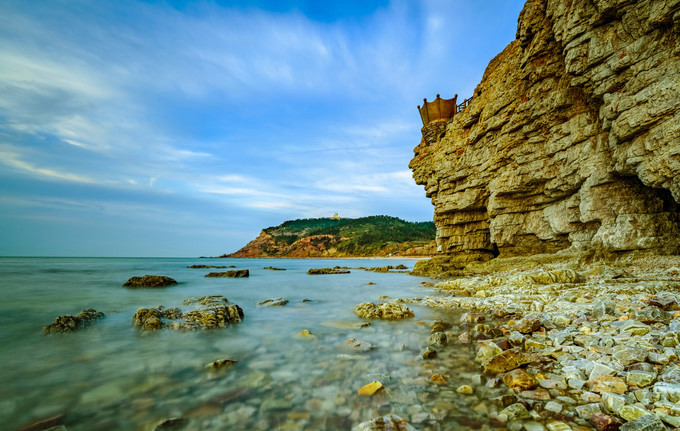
441, 109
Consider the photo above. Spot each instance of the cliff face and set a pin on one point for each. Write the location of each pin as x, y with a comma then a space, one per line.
572, 140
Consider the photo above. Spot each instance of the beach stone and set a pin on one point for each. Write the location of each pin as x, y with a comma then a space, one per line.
665, 300
670, 390
612, 402
539, 394
273, 302
670, 339
465, 390
601, 370
472, 318
437, 339
519, 379
239, 273
428, 353
632, 411
673, 421
438, 379
441, 326
590, 397
527, 325
651, 314
585, 411
150, 281
384, 423
370, 389
506, 361
603, 422
516, 412
634, 327
604, 384
532, 426
487, 350
69, 323
516, 338
553, 406
555, 425
640, 378
603, 308
649, 422
561, 319
387, 310
357, 345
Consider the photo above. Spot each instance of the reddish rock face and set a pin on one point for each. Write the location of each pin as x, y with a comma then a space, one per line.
571, 140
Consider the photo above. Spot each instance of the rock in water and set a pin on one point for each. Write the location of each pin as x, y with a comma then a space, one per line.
150, 281
371, 389
69, 323
273, 302
317, 271
388, 310
211, 312
239, 273
384, 423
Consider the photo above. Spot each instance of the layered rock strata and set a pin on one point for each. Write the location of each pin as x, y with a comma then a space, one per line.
572, 140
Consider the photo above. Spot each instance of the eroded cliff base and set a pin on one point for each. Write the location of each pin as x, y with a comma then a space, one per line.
571, 143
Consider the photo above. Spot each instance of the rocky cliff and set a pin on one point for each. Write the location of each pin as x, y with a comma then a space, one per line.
572, 140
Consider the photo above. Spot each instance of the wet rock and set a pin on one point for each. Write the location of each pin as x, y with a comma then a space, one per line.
670, 390
520, 380
645, 423
387, 310
437, 339
472, 318
428, 353
239, 273
170, 424
150, 281
632, 411
355, 345
220, 364
603, 422
612, 402
272, 268
640, 378
273, 302
604, 384
147, 318
45, 423
527, 325
371, 389
465, 390
515, 412
665, 300
651, 314
319, 271
205, 266
440, 326
70, 323
506, 361
438, 379
634, 327
586, 411
384, 423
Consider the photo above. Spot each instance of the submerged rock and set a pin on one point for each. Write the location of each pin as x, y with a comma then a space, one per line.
273, 302
220, 364
388, 310
384, 423
150, 281
317, 271
70, 323
371, 389
239, 273
272, 268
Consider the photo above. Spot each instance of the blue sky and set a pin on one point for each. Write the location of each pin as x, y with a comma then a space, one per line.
181, 128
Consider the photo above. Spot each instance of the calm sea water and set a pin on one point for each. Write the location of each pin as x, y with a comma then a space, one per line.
112, 376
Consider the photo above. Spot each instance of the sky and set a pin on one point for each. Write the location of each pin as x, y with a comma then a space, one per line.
183, 128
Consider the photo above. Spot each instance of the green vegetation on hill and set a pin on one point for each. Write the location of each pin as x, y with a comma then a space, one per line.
363, 236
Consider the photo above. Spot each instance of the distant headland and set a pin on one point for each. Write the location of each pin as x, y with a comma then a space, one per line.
374, 236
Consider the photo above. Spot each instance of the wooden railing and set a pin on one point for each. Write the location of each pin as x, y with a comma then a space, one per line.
441, 109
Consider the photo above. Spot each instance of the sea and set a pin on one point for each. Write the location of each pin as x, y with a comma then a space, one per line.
113, 376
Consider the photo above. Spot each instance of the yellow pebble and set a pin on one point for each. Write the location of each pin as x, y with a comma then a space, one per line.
465, 390
371, 388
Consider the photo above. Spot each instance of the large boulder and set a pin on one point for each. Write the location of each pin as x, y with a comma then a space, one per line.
150, 281
209, 312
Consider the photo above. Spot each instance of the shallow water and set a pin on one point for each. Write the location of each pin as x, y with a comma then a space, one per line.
112, 376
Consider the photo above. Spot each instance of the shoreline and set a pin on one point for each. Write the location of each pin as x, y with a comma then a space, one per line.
565, 345
329, 257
